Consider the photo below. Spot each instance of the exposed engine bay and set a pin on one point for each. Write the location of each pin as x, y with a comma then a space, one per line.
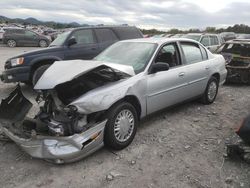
59, 132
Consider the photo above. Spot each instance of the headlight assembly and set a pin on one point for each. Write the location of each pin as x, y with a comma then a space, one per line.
16, 61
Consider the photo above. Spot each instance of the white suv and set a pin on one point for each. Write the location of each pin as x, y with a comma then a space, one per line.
211, 41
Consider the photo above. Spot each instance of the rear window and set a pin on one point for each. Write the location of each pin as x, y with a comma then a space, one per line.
127, 32
105, 35
15, 31
214, 40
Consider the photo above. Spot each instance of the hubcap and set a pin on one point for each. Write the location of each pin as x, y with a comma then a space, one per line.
212, 89
11, 43
124, 125
43, 43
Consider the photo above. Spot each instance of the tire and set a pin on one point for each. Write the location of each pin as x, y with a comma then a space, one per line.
115, 114
11, 43
43, 43
38, 73
211, 91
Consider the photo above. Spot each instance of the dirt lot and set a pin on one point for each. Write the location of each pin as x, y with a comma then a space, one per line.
179, 147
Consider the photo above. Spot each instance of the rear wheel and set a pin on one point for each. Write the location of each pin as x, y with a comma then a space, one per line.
38, 73
211, 91
43, 43
11, 43
121, 127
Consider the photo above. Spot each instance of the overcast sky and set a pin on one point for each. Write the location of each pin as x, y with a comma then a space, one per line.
160, 14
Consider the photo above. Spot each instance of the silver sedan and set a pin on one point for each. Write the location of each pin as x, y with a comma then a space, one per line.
88, 104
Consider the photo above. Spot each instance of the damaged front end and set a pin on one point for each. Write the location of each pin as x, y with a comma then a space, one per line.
57, 133
62, 131
241, 148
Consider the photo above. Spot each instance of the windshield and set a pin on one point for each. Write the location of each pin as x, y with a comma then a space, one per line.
194, 37
135, 54
60, 39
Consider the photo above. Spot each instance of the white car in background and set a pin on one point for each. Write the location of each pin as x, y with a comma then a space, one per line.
211, 41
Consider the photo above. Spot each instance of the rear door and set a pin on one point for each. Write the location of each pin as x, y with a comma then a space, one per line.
214, 43
86, 46
197, 68
105, 37
29, 38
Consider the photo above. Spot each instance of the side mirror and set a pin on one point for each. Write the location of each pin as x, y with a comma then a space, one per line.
159, 66
71, 41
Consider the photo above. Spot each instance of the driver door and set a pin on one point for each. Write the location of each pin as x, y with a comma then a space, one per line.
166, 88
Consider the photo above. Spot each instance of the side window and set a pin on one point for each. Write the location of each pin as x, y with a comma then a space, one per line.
214, 40
191, 52
105, 35
203, 53
29, 33
205, 41
84, 36
168, 54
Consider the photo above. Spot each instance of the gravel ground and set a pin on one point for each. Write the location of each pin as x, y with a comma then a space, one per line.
178, 147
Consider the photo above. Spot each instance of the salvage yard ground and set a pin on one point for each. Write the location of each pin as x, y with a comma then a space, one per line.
178, 147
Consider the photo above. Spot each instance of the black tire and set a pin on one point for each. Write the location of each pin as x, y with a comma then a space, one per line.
206, 99
43, 43
11, 43
38, 73
110, 139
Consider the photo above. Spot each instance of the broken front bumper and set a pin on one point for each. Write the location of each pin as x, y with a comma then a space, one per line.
61, 149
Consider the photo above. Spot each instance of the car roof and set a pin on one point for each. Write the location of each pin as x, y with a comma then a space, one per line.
238, 41
159, 41
102, 27
202, 34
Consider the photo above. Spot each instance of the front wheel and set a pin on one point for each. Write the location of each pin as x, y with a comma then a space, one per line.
121, 127
43, 43
38, 73
11, 43
211, 91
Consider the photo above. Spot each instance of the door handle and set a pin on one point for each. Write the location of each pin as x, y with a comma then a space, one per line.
181, 74
206, 68
93, 48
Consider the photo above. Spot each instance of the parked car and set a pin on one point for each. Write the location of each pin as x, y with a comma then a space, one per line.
228, 35
87, 104
24, 37
211, 41
80, 43
237, 55
242, 36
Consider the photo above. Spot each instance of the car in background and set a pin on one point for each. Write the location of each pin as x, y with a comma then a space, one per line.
24, 37
91, 103
176, 36
81, 43
211, 41
237, 55
228, 35
242, 36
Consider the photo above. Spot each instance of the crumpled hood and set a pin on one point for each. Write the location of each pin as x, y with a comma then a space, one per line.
63, 71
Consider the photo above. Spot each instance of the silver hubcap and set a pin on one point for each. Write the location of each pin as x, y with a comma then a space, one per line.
43, 43
212, 89
11, 43
124, 125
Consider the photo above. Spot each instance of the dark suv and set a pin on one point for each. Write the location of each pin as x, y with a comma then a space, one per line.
81, 43
23, 37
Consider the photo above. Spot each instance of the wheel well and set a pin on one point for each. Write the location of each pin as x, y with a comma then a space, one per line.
133, 101
217, 76
39, 64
